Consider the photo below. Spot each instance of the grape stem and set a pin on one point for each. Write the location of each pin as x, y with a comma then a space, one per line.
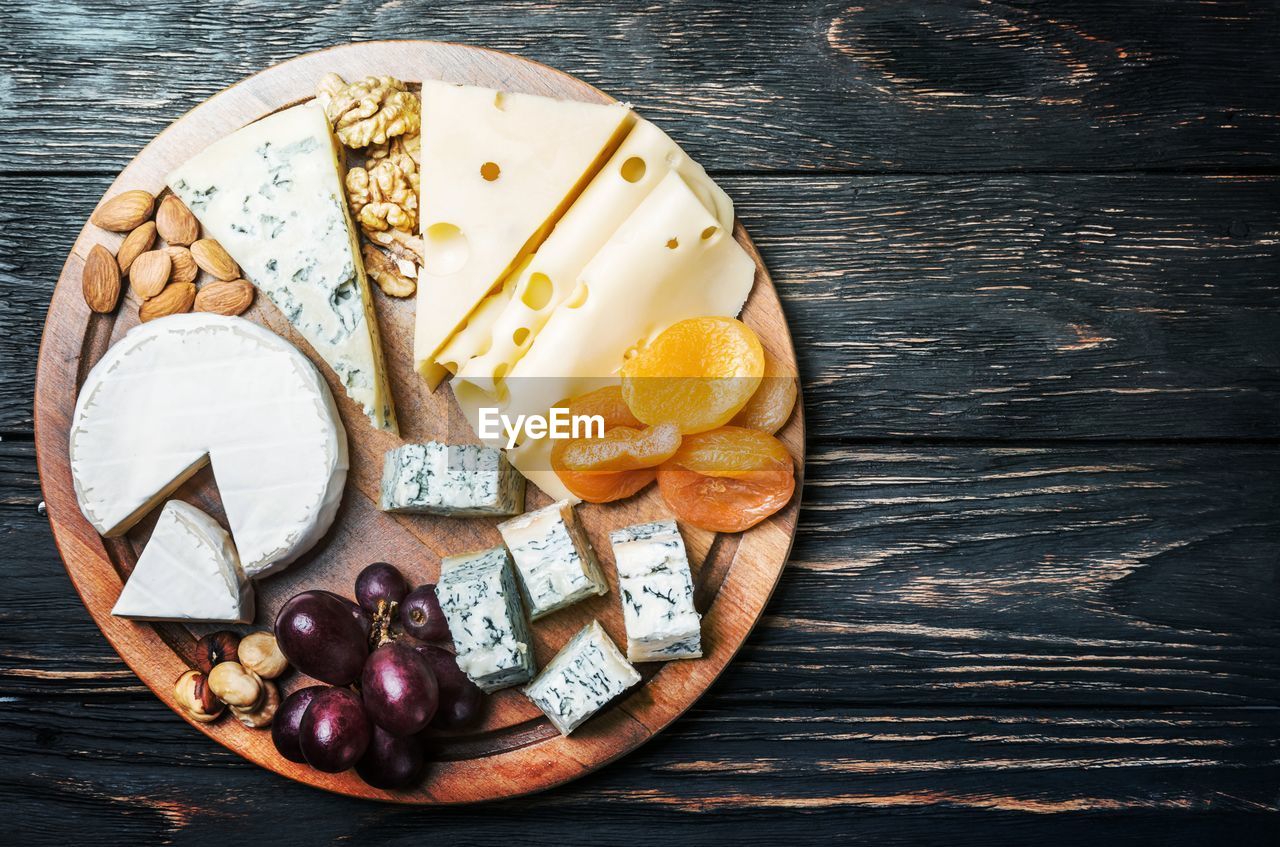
380, 631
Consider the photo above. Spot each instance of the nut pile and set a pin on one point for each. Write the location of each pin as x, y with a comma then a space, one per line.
233, 673
162, 259
381, 119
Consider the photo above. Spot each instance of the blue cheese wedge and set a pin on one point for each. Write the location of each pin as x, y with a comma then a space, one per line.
554, 559
271, 193
657, 593
582, 678
189, 571
450, 479
481, 602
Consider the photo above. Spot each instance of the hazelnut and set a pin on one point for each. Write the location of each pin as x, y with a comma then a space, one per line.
216, 648
261, 713
196, 698
260, 653
234, 685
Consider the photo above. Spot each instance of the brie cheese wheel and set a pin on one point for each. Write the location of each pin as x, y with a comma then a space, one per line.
272, 195
189, 571
497, 171
513, 316
186, 390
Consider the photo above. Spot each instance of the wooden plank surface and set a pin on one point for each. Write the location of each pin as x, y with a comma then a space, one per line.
1006, 306
1149, 84
990, 632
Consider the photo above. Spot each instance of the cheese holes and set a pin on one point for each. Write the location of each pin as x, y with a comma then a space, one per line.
537, 293
520, 336
633, 169
490, 171
578, 297
445, 249
673, 243
709, 231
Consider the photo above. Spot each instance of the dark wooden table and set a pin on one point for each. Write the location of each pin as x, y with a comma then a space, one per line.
1030, 253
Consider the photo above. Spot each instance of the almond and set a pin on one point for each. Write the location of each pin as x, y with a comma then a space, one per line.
135, 244
214, 260
174, 300
225, 297
101, 280
150, 273
176, 223
184, 266
124, 212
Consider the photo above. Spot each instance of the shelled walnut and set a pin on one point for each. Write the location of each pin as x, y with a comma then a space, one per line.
387, 272
385, 195
369, 111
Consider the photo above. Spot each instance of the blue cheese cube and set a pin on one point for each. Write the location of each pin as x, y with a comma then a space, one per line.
583, 677
481, 602
554, 559
657, 593
450, 479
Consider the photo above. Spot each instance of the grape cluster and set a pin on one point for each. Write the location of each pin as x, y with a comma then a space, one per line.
387, 686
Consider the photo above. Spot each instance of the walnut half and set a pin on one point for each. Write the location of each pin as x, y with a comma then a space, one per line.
385, 195
369, 111
386, 272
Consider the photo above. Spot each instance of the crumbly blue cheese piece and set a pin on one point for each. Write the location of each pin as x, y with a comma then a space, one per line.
481, 602
583, 677
554, 559
657, 593
271, 193
450, 479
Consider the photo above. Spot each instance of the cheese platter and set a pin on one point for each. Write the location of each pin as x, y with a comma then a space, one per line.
281, 369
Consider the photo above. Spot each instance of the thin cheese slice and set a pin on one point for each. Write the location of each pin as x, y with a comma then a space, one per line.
670, 260
272, 195
505, 326
498, 170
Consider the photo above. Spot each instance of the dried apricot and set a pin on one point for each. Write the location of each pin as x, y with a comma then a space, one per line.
621, 449
598, 486
731, 451
724, 504
697, 374
771, 405
606, 402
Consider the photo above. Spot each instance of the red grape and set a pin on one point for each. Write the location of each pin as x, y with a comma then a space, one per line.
284, 726
335, 731
398, 689
461, 700
380, 582
319, 636
392, 762
421, 615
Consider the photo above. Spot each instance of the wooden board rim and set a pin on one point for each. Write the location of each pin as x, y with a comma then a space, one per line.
72, 334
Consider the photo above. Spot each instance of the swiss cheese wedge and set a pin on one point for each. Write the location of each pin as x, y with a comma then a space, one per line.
497, 171
506, 325
670, 259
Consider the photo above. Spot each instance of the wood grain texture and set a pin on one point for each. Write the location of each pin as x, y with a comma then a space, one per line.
881, 85
1057, 306
516, 750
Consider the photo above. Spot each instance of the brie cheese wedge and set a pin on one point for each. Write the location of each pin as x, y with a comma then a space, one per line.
189, 571
186, 390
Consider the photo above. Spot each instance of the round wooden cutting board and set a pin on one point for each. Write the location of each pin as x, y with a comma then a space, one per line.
516, 750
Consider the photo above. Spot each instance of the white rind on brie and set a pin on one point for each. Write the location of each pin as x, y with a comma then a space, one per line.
189, 571
186, 390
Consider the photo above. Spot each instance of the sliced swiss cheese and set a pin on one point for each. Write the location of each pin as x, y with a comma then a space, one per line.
505, 326
671, 259
186, 390
272, 195
497, 171
189, 571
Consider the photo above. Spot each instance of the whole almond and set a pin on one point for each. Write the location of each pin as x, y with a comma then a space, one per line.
135, 244
150, 273
174, 300
124, 212
225, 297
176, 223
101, 280
214, 260
184, 266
